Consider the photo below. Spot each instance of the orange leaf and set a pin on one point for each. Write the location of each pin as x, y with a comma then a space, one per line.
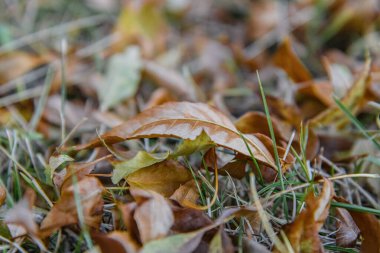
286, 59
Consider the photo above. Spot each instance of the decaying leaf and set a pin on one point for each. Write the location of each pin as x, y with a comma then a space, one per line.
347, 231
187, 121
351, 101
152, 215
184, 243
3, 195
164, 177
20, 218
302, 233
186, 193
65, 211
141, 160
17, 63
286, 59
369, 227
256, 122
118, 241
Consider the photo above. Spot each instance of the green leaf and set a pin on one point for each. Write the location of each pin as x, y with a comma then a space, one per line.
122, 78
216, 245
188, 146
54, 163
141, 160
186, 242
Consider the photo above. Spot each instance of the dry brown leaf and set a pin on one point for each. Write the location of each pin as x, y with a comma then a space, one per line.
187, 121
347, 231
20, 218
188, 219
159, 96
369, 227
186, 193
152, 215
321, 90
3, 195
351, 101
290, 113
302, 233
164, 177
171, 80
264, 17
16, 63
64, 212
256, 122
117, 241
286, 59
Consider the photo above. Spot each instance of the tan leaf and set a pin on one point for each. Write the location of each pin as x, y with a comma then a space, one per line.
153, 215
286, 59
187, 192
20, 218
159, 96
171, 80
3, 195
302, 233
187, 121
65, 211
347, 231
322, 91
351, 101
256, 122
369, 227
164, 177
17, 63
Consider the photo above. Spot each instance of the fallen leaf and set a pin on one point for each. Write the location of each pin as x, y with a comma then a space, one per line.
159, 96
3, 195
184, 243
171, 80
347, 231
351, 101
186, 193
55, 161
64, 212
152, 215
143, 22
141, 160
302, 233
319, 90
122, 78
164, 177
221, 243
256, 122
188, 219
286, 59
188, 146
369, 227
20, 218
16, 63
187, 121
118, 241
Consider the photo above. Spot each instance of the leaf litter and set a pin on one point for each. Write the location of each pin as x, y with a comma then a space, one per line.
189, 126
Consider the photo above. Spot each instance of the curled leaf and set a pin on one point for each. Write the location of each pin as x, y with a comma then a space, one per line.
65, 211
187, 121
